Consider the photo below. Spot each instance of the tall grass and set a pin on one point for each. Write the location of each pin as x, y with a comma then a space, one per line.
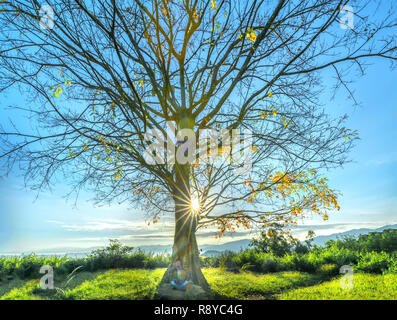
321, 260
113, 256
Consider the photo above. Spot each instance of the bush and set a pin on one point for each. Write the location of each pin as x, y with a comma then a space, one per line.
329, 270
335, 255
374, 262
115, 255
268, 255
28, 266
392, 267
303, 264
229, 261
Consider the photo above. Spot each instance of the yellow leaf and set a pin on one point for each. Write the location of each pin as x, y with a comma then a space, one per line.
213, 4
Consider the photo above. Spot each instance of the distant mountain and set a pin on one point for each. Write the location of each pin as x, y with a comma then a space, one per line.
211, 253
229, 246
321, 240
156, 249
61, 251
205, 250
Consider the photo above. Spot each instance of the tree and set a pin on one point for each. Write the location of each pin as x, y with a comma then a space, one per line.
275, 241
280, 242
102, 73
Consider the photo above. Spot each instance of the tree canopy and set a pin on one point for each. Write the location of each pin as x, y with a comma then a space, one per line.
101, 74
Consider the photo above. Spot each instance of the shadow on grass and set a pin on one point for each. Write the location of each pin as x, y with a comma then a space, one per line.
257, 286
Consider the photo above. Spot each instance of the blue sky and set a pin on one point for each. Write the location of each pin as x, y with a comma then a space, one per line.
368, 184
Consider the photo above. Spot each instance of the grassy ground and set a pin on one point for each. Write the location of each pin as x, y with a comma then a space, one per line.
247, 285
138, 284
366, 287
119, 285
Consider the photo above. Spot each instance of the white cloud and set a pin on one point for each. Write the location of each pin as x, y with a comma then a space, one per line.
382, 159
102, 225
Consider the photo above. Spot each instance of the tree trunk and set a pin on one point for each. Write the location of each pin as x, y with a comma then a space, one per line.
185, 245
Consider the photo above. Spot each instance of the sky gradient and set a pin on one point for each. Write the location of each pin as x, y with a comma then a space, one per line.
368, 184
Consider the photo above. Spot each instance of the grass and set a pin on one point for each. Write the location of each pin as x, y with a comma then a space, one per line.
18, 289
366, 287
248, 285
23, 292
6, 286
135, 284
140, 284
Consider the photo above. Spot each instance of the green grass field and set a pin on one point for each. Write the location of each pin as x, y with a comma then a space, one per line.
366, 287
138, 284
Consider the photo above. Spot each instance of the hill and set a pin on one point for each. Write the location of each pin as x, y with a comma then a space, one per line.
321, 240
206, 250
215, 249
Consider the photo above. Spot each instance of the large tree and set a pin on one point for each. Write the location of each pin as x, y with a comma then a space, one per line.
101, 74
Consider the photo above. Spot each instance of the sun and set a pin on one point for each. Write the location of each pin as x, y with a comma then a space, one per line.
195, 203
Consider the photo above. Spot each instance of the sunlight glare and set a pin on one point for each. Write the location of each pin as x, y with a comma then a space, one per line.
195, 204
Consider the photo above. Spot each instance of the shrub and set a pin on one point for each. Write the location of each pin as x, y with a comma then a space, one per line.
113, 256
302, 263
392, 267
374, 262
335, 255
329, 270
227, 261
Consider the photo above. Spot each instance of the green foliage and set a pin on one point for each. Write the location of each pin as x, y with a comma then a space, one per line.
228, 261
280, 243
393, 266
374, 262
28, 266
282, 252
385, 241
329, 270
275, 242
23, 293
115, 255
